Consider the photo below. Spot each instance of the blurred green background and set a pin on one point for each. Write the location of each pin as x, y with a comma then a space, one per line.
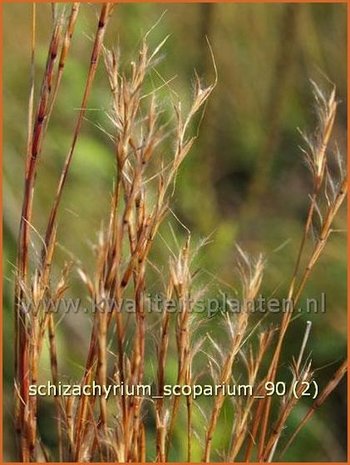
245, 179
